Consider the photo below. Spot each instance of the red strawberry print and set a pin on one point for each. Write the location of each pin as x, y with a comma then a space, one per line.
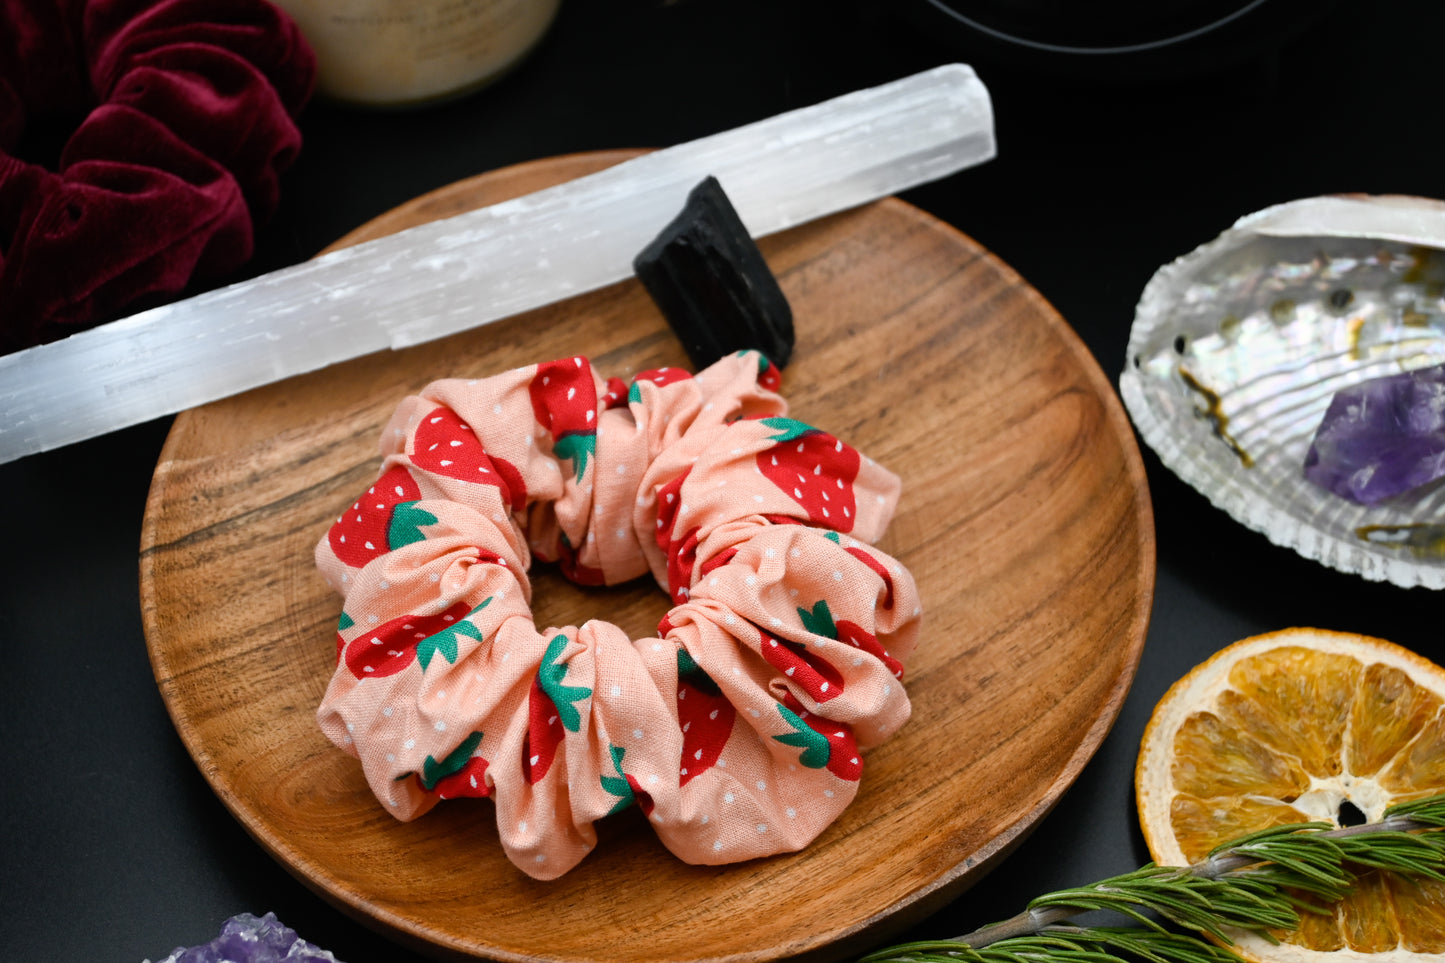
681, 552
574, 570
825, 743
868, 559
470, 781
814, 674
616, 394
446, 445
624, 786
550, 710
705, 716
769, 376
851, 633
681, 557
386, 517
564, 401
462, 773
342, 624
680, 564
544, 734
815, 469
393, 646
820, 622
658, 376
719, 560
644, 799
669, 501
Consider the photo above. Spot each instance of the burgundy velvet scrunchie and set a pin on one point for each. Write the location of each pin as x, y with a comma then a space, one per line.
192, 119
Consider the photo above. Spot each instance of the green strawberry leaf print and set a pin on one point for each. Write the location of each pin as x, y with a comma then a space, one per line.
445, 641
769, 376
406, 523
820, 620
618, 785
576, 447
551, 674
342, 624
813, 743
789, 429
433, 772
695, 675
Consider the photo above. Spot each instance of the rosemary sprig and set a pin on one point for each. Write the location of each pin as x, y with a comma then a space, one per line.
1097, 944
1251, 883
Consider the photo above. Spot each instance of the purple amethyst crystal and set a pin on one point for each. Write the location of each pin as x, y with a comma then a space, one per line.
247, 939
1382, 438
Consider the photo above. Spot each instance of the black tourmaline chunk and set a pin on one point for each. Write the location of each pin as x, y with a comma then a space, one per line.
712, 284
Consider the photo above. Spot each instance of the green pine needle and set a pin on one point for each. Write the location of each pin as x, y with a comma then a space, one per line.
1098, 944
1429, 811
1180, 896
1398, 852
1259, 882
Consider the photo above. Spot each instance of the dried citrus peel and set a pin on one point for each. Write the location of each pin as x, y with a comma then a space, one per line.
1295, 726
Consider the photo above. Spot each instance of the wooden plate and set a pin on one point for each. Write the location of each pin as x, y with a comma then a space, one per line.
1025, 519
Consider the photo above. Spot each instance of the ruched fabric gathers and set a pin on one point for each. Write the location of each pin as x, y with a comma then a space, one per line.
189, 117
737, 730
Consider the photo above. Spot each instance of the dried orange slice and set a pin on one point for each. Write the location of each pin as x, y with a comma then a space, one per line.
1295, 726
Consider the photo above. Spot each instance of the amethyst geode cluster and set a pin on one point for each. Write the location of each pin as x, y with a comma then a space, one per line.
249, 939
1382, 438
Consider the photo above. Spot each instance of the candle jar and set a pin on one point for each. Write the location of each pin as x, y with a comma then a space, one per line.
391, 53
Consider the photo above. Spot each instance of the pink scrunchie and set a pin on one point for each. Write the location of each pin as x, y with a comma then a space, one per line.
737, 730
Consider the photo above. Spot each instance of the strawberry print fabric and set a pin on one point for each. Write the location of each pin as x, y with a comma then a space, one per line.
738, 730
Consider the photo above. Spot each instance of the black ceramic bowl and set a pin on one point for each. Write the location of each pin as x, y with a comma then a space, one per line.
1112, 37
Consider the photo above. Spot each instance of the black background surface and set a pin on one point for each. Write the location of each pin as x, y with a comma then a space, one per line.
112, 846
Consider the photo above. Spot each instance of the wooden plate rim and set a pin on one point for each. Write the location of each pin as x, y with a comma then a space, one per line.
918, 904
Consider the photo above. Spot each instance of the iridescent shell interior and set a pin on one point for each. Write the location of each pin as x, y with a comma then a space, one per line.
1238, 347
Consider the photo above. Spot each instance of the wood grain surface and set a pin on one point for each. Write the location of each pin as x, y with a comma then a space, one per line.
1025, 519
